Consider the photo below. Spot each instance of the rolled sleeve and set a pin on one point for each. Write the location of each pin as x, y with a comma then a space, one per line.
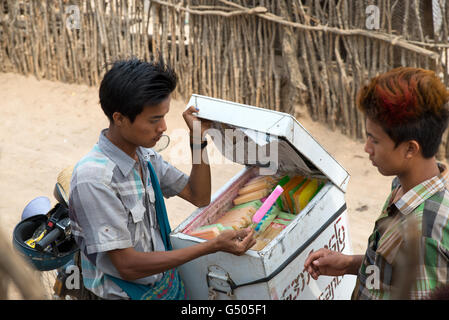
101, 217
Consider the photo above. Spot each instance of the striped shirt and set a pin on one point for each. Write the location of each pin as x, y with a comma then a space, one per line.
428, 204
111, 208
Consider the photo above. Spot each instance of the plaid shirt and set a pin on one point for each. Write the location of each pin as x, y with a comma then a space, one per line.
428, 203
111, 208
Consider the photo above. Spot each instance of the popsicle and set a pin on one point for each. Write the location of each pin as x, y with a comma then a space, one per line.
267, 204
267, 219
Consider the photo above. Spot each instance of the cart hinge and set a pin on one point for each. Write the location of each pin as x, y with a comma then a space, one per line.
219, 280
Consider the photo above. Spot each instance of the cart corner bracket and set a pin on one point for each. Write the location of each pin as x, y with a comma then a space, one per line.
219, 280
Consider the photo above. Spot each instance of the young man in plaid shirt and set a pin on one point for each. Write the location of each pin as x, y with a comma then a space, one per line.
116, 206
406, 113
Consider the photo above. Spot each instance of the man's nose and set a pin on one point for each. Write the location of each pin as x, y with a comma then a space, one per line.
163, 126
368, 148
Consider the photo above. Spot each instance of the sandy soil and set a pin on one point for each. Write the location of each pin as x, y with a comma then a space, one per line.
47, 126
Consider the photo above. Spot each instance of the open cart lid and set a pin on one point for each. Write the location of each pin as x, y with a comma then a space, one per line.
269, 139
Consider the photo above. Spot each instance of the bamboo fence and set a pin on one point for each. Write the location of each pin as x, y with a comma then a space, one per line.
295, 56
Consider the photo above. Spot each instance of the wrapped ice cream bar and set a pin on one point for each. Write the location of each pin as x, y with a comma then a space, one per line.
267, 204
210, 231
237, 218
253, 187
304, 194
206, 233
291, 184
251, 196
267, 219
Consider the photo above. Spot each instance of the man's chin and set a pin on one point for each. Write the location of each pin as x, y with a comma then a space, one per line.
149, 144
386, 173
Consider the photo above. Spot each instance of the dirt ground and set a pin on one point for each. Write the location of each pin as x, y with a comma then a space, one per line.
47, 126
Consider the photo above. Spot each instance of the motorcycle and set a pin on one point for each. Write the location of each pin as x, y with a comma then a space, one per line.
45, 240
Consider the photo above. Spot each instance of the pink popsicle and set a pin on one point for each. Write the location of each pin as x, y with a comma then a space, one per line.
267, 204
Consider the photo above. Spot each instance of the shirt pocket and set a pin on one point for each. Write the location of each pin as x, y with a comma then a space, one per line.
389, 245
137, 212
135, 223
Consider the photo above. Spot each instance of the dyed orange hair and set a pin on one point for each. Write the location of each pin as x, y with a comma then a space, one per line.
401, 95
409, 104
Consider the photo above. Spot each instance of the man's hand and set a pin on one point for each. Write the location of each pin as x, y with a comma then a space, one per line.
328, 263
198, 189
190, 118
235, 242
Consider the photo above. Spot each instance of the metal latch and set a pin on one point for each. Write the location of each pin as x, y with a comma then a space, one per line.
219, 280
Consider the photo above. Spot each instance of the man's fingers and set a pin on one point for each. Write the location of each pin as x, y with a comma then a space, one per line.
189, 113
242, 233
313, 256
325, 261
315, 261
191, 109
245, 236
245, 240
315, 275
229, 234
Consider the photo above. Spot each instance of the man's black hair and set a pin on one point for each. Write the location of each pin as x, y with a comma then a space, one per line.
427, 131
131, 85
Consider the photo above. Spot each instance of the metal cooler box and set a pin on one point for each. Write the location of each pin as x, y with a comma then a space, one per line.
272, 142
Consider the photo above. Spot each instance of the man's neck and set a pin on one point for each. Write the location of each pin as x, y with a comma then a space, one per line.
113, 135
423, 170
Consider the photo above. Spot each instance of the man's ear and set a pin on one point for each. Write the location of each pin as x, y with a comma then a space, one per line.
413, 149
118, 119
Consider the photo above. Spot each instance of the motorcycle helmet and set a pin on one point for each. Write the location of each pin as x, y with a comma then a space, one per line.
42, 260
56, 246
39, 205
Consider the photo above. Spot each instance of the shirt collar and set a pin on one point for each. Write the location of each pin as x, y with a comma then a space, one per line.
119, 157
123, 161
417, 195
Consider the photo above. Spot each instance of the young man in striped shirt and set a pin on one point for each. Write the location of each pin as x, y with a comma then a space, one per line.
116, 204
406, 113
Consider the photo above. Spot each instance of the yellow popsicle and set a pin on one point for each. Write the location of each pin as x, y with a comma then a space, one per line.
304, 194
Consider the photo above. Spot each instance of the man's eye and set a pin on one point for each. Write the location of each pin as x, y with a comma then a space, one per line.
372, 140
154, 121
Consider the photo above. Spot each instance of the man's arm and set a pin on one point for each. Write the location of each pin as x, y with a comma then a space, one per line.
132, 264
198, 188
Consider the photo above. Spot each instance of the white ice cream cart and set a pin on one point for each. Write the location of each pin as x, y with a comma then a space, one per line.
272, 142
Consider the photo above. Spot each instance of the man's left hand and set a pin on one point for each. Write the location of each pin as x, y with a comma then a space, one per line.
190, 118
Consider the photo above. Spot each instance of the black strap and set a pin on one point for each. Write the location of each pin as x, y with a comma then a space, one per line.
198, 146
58, 210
